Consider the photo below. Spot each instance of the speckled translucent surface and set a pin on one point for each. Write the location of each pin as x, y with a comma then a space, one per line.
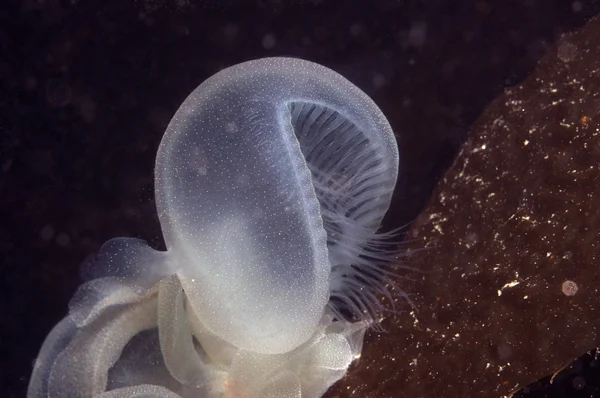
237, 205
271, 181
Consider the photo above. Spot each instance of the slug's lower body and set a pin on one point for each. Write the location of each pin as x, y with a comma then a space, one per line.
123, 344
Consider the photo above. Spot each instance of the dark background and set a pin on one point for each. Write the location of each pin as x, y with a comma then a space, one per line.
87, 88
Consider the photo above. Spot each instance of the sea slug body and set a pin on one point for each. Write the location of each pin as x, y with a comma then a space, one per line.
271, 182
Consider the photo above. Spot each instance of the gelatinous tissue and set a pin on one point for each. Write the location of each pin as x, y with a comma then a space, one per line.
271, 182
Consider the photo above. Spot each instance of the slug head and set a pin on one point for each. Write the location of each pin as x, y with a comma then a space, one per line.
237, 191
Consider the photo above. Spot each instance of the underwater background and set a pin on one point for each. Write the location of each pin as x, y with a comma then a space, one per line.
87, 88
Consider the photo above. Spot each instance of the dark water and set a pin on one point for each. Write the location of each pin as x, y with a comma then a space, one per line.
87, 88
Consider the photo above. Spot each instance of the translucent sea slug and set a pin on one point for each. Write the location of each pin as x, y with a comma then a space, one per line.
271, 182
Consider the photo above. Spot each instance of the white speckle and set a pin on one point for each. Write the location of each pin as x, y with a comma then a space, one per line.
198, 161
506, 286
231, 127
576, 6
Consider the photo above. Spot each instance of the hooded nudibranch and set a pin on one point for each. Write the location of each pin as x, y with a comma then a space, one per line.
271, 182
